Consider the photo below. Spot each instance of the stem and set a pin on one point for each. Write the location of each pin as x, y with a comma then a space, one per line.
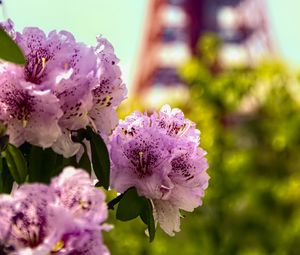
113, 202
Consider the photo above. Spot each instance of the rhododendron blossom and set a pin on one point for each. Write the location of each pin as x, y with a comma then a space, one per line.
31, 115
56, 219
159, 155
59, 109
81, 83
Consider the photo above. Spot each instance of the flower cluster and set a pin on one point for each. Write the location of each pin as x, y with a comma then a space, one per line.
160, 156
65, 217
64, 86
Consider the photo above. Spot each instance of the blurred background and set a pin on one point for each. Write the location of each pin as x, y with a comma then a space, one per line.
233, 67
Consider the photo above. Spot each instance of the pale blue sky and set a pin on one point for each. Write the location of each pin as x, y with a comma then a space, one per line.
121, 22
285, 21
118, 20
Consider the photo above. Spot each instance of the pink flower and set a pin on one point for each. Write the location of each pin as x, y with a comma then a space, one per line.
82, 83
30, 115
159, 155
62, 218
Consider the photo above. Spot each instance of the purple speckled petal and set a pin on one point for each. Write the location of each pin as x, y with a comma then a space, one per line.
76, 193
7, 211
29, 218
173, 123
75, 99
109, 90
70, 54
159, 155
167, 215
83, 242
104, 120
63, 218
140, 160
31, 115
84, 81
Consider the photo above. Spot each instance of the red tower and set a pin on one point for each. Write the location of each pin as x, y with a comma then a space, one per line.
173, 27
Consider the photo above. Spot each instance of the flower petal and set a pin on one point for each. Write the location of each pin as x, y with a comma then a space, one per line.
31, 115
75, 192
167, 215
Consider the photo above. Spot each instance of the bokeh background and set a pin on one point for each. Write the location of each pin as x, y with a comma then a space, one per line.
233, 67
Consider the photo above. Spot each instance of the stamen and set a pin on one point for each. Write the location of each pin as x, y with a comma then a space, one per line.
25, 123
165, 187
141, 154
58, 246
107, 99
43, 63
16, 230
165, 191
33, 73
105, 102
39, 74
185, 128
84, 204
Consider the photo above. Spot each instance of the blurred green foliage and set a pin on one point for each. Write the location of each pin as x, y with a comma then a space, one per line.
250, 123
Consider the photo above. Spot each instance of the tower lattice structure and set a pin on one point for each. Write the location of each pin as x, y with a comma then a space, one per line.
173, 27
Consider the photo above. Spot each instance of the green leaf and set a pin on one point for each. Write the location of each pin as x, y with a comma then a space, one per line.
147, 217
6, 180
131, 205
9, 50
85, 162
42, 164
111, 204
100, 157
3, 142
2, 129
79, 135
61, 163
16, 163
